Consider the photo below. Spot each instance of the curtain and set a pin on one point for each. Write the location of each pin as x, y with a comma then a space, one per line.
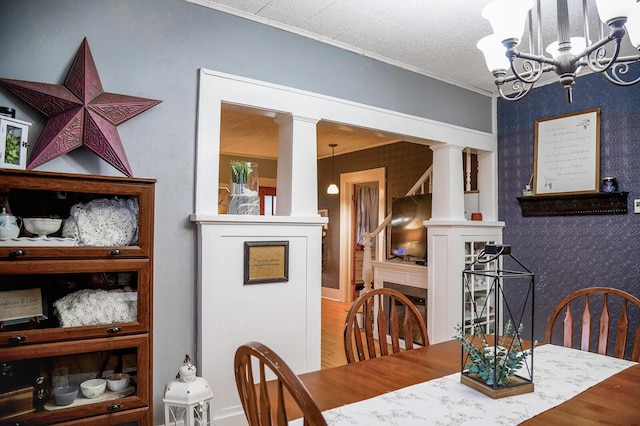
366, 210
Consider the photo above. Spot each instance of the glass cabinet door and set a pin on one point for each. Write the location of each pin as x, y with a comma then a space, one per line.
479, 298
64, 215
63, 381
51, 300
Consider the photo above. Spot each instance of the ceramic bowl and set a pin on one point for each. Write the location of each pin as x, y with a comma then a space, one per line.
93, 388
41, 226
117, 382
65, 395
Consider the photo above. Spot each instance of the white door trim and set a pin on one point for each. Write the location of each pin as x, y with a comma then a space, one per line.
347, 180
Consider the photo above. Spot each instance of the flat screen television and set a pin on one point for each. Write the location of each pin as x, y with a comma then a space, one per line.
408, 233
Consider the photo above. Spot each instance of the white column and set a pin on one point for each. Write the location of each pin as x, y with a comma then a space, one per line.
297, 166
488, 185
448, 183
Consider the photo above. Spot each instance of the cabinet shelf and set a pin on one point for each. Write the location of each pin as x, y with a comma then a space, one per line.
599, 203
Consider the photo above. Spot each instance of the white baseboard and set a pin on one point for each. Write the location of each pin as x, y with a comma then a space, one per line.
331, 293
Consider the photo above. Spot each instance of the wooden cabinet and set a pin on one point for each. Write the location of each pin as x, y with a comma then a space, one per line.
74, 305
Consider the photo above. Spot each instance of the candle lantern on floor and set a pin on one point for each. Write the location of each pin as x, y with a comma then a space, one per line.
187, 399
497, 324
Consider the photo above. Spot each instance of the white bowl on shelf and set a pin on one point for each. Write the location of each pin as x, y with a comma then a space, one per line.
93, 388
65, 395
117, 382
41, 226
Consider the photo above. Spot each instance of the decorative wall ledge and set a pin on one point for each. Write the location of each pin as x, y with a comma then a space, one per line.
576, 204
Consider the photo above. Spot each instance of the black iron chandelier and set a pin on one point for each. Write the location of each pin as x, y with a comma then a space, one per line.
520, 70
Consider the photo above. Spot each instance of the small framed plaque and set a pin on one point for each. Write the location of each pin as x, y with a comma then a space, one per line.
17, 306
266, 262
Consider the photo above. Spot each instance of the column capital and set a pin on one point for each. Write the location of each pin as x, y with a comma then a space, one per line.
288, 118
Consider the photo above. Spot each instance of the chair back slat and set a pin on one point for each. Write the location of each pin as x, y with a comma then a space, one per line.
603, 328
613, 322
265, 404
368, 309
623, 330
281, 410
390, 305
585, 334
259, 406
568, 328
635, 354
382, 328
408, 330
394, 329
358, 342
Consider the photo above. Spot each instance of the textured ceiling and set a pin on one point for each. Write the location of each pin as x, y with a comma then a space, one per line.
434, 38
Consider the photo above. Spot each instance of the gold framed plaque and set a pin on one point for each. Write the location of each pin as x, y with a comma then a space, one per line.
266, 262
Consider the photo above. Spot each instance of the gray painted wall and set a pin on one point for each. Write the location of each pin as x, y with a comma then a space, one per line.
154, 49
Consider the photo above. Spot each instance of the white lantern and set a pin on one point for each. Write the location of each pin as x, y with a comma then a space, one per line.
187, 400
13, 143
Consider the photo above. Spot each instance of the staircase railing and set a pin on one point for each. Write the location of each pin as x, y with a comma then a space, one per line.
367, 268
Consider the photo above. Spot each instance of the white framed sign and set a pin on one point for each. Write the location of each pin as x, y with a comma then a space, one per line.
567, 153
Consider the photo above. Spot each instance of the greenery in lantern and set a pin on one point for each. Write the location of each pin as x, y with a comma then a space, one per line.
12, 149
500, 362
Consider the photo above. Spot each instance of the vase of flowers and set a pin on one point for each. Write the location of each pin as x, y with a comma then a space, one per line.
244, 197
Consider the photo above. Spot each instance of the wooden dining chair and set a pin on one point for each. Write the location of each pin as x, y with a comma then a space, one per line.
255, 397
595, 325
387, 313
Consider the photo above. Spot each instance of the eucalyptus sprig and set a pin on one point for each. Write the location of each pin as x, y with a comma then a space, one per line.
499, 363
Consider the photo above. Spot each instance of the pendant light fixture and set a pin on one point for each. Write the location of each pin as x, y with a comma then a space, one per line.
333, 188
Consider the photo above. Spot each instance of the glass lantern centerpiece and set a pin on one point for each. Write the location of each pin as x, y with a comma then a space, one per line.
244, 197
498, 360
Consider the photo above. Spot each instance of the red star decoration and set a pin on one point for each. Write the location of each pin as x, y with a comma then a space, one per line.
80, 113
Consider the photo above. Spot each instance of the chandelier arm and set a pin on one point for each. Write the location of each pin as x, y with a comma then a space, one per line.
599, 62
616, 73
516, 96
525, 75
532, 66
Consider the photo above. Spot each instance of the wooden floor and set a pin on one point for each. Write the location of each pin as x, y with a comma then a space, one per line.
333, 316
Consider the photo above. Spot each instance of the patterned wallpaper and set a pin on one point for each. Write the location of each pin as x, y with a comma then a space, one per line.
567, 253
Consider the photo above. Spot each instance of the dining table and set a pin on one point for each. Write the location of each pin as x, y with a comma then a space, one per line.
612, 400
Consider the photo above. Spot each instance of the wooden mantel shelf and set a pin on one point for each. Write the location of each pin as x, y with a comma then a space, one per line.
596, 203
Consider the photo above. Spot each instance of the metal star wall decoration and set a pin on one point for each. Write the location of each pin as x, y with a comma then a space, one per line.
80, 113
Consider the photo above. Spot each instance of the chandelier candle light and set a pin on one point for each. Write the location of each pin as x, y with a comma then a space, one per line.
522, 69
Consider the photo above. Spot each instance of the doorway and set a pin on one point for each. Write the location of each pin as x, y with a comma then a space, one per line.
365, 220
348, 184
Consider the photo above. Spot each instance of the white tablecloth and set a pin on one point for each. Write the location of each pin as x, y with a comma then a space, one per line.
559, 374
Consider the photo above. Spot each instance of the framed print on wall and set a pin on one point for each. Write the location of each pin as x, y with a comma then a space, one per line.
266, 262
567, 154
